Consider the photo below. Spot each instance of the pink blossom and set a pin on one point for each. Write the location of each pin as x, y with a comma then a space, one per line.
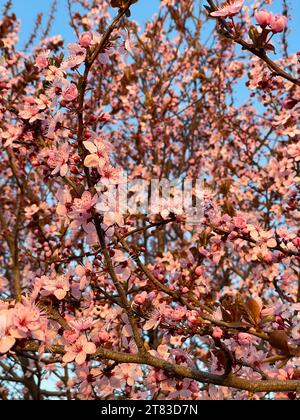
229, 8
123, 265
58, 286
26, 321
99, 153
70, 93
53, 73
30, 109
296, 332
6, 340
140, 298
71, 336
264, 237
109, 175
85, 39
294, 151
81, 209
263, 18
77, 57
82, 324
41, 60
104, 336
278, 23
79, 351
240, 222
58, 159
83, 271
217, 332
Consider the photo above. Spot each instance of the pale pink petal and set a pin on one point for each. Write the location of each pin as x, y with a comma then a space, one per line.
91, 161
90, 348
90, 146
64, 170
80, 358
60, 294
69, 357
6, 344
61, 210
80, 270
272, 243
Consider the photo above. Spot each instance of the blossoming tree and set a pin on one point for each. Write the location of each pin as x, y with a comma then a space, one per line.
98, 304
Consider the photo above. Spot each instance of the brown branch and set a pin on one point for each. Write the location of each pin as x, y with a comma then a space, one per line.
183, 372
258, 52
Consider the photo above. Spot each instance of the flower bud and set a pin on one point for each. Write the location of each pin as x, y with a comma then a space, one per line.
263, 18
278, 23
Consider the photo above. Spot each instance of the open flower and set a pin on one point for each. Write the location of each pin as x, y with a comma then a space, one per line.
41, 60
6, 340
229, 9
58, 159
79, 351
294, 151
85, 39
83, 205
110, 175
266, 238
70, 93
77, 57
58, 286
296, 332
26, 321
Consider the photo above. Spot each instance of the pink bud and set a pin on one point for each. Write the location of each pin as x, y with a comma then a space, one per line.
104, 336
198, 271
217, 332
263, 18
278, 23
86, 39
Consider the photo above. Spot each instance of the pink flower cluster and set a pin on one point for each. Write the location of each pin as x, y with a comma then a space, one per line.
23, 320
229, 9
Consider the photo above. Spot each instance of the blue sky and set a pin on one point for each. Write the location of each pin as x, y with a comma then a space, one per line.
27, 10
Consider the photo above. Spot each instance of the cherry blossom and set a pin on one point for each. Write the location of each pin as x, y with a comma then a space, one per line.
70, 93
278, 23
58, 159
58, 286
6, 340
263, 18
229, 8
79, 351
99, 153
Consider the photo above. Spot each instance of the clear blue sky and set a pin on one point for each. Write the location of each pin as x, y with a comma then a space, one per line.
27, 10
